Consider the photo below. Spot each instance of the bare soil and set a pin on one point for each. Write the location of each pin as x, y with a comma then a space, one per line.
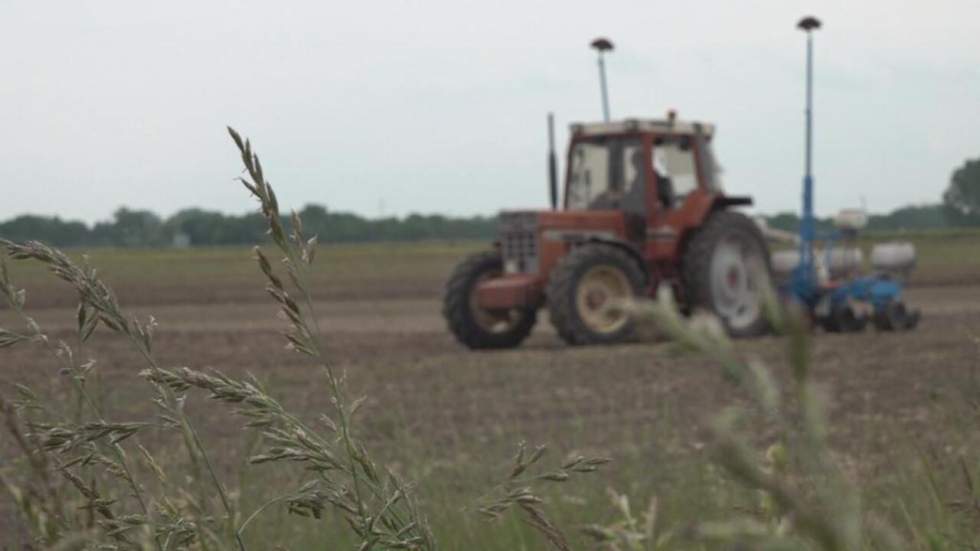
421, 381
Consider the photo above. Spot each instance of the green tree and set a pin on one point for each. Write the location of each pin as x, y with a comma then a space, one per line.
962, 198
131, 228
51, 229
912, 217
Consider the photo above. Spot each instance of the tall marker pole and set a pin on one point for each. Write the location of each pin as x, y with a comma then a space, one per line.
807, 224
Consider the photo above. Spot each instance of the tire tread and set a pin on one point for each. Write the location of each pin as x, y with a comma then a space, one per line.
456, 307
696, 263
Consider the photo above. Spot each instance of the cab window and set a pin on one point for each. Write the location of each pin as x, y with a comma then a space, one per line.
606, 174
673, 163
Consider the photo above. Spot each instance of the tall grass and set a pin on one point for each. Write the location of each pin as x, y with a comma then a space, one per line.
85, 478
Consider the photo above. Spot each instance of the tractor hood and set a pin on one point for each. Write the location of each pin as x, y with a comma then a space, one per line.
532, 241
564, 225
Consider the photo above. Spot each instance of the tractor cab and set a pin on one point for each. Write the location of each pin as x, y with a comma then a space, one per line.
647, 170
635, 165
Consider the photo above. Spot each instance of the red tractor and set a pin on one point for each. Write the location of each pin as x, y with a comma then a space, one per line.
642, 207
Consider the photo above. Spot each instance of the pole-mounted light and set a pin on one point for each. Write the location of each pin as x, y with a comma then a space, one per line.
808, 25
807, 225
603, 45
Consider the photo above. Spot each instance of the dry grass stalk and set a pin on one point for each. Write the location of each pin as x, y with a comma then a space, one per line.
98, 306
807, 496
377, 505
518, 490
629, 533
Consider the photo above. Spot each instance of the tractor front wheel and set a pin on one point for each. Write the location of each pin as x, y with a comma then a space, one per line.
476, 327
588, 292
725, 269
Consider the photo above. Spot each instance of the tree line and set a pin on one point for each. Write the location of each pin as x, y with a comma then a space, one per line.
960, 206
198, 227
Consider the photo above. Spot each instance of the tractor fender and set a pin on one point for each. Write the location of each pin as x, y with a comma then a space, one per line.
628, 248
702, 206
725, 201
705, 207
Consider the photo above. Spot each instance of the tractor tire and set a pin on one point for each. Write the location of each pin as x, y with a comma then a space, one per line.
724, 268
473, 326
894, 316
582, 291
843, 319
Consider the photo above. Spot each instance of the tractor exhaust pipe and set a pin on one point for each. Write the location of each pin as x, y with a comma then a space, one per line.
552, 163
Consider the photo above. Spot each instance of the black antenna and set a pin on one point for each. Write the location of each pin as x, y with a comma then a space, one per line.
552, 163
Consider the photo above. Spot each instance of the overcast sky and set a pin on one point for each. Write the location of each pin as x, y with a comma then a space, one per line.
439, 105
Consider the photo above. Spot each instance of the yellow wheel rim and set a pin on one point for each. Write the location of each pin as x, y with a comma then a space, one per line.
600, 298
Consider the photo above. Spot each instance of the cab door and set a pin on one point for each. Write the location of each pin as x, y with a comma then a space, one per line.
677, 200
633, 158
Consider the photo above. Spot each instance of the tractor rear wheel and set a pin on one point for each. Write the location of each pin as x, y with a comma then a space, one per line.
588, 292
725, 269
476, 327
